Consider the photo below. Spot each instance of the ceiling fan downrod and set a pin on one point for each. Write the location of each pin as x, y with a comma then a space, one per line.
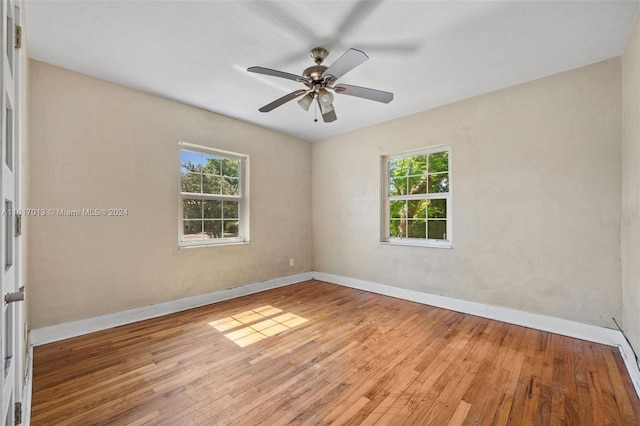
319, 54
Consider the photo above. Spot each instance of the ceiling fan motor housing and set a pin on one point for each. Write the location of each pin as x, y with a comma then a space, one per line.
315, 72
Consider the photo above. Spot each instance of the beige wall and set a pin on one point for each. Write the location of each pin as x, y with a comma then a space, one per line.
536, 198
631, 188
536, 202
98, 145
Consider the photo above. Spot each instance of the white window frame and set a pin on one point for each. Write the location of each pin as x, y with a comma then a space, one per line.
242, 198
385, 237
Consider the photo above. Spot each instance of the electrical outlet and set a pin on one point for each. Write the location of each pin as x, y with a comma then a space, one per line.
292, 262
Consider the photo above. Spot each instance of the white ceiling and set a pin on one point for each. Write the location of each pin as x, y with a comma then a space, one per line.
428, 53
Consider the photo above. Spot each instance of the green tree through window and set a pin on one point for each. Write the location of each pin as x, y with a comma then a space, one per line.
211, 195
417, 196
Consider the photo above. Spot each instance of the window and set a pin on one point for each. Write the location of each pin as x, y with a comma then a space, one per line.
417, 198
214, 202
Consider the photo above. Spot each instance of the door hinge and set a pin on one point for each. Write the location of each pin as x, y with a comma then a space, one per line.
18, 225
18, 413
18, 36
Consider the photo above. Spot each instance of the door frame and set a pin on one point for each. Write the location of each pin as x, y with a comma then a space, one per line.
12, 325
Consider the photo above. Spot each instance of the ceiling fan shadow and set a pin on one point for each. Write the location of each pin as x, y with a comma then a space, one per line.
281, 17
400, 48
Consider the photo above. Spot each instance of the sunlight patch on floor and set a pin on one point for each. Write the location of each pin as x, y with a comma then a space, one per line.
257, 324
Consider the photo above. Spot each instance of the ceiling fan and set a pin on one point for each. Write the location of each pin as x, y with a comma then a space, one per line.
320, 81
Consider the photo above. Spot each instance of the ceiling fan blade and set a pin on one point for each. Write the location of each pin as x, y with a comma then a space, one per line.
345, 63
364, 92
276, 73
283, 100
330, 116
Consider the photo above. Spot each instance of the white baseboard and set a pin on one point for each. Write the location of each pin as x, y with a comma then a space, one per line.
633, 365
66, 330
560, 326
540, 322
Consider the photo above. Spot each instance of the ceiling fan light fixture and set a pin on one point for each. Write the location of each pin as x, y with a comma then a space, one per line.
325, 99
318, 78
305, 101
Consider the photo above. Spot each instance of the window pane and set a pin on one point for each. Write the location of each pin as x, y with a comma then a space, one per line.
190, 161
397, 209
191, 182
437, 229
211, 184
417, 229
230, 209
230, 228
437, 208
192, 230
211, 164
398, 186
212, 209
417, 208
398, 228
397, 168
417, 184
213, 229
230, 186
439, 162
230, 167
192, 209
416, 165
439, 183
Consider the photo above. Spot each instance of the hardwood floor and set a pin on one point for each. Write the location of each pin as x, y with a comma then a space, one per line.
317, 353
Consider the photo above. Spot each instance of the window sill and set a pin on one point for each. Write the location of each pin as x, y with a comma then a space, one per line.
197, 245
431, 244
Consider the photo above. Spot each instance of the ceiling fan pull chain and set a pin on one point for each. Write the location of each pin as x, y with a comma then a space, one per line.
315, 111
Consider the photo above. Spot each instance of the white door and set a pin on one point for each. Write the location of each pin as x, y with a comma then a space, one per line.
11, 336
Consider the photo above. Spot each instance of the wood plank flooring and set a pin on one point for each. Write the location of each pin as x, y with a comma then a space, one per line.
317, 353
